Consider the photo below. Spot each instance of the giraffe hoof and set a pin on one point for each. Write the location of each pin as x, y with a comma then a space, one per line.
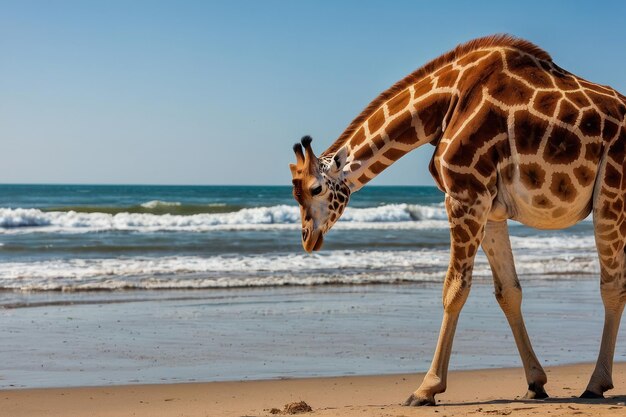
536, 392
415, 401
591, 395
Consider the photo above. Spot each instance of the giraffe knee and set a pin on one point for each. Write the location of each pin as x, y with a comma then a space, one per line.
454, 295
509, 298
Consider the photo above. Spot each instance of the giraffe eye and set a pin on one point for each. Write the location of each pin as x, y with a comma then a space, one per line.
316, 190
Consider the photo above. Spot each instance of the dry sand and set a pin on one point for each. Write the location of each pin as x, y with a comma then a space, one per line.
492, 392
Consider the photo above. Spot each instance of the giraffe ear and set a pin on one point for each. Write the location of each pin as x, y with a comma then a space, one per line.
339, 161
294, 169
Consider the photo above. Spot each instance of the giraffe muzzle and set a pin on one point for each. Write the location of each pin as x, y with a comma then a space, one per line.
312, 240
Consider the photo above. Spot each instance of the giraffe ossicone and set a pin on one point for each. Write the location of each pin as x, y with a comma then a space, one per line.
515, 137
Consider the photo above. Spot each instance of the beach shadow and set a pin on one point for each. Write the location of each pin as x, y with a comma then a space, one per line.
619, 400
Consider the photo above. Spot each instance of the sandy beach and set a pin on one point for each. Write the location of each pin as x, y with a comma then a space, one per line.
470, 393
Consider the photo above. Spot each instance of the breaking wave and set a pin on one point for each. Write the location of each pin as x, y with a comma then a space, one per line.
16, 220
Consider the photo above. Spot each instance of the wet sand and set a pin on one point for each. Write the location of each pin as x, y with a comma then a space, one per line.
492, 392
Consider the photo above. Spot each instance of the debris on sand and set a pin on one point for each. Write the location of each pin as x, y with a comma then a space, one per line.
293, 408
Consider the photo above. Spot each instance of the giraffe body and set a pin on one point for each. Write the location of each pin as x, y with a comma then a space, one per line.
516, 137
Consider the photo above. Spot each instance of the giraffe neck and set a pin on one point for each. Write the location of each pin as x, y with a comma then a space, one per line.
385, 131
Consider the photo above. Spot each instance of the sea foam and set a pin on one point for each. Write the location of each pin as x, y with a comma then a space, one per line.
21, 220
329, 267
158, 203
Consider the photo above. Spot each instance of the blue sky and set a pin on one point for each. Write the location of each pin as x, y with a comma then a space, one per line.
208, 92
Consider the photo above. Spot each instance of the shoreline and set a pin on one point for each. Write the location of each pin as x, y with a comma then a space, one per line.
475, 392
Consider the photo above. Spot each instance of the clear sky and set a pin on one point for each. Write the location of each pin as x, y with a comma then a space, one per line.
216, 92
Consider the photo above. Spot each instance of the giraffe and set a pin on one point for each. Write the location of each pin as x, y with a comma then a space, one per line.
515, 137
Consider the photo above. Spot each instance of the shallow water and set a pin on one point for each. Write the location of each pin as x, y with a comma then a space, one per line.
256, 333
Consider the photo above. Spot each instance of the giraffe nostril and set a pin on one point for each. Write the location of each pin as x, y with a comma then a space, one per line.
305, 233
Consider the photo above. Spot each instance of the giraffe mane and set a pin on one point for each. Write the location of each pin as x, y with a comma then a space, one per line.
461, 50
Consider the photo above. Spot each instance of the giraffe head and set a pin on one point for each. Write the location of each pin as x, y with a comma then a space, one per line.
320, 189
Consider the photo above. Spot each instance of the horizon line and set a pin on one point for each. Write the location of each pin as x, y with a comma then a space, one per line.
185, 185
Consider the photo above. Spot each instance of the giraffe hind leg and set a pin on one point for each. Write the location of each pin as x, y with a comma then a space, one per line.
610, 233
508, 292
613, 293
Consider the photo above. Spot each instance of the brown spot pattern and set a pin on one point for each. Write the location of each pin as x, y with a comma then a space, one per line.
546, 101
393, 154
448, 79
529, 131
509, 91
399, 102
424, 86
565, 82
365, 152
606, 105
358, 138
610, 130
466, 185
584, 175
590, 123
433, 112
459, 234
532, 175
595, 87
408, 137
617, 150
524, 66
475, 79
364, 179
542, 201
473, 226
399, 124
612, 177
568, 113
578, 98
378, 141
377, 167
461, 152
562, 187
376, 121
563, 146
472, 57
442, 70
592, 151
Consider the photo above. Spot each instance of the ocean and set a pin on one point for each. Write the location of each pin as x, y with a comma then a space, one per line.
131, 284
79, 237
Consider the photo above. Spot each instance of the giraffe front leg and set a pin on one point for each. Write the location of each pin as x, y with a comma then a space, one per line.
466, 231
456, 290
508, 292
